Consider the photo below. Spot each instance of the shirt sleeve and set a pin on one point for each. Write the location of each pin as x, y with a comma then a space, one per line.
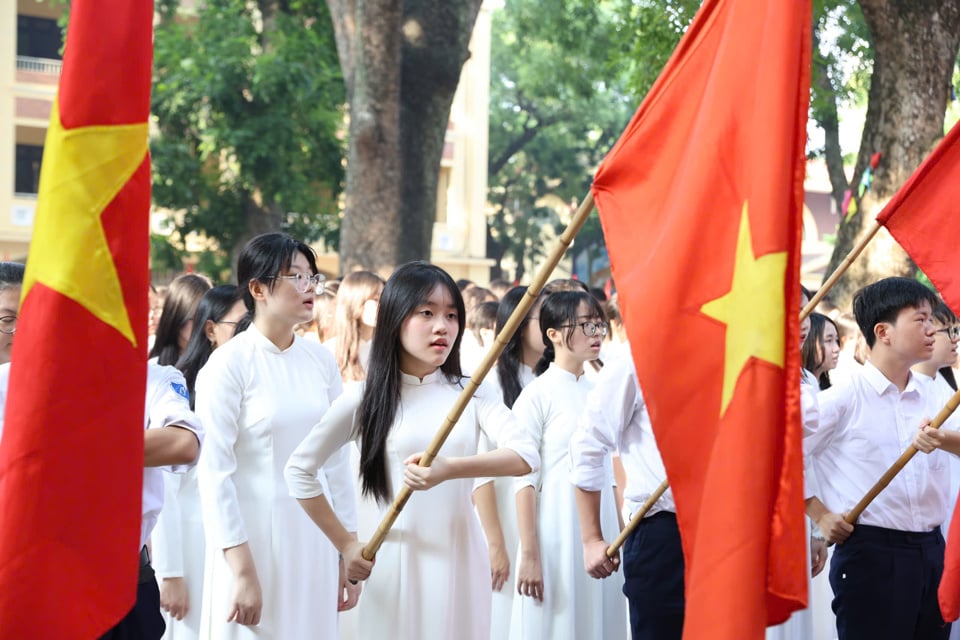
219, 396
609, 409
530, 419
325, 440
169, 405
343, 495
810, 412
498, 423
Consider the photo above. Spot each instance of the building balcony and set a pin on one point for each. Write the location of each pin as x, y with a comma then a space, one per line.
43, 71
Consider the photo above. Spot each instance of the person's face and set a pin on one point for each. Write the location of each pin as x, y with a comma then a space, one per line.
805, 324
427, 335
220, 332
831, 347
573, 339
368, 316
153, 316
9, 309
531, 338
911, 336
944, 347
285, 302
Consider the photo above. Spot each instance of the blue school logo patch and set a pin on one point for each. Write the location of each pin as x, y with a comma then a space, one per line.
180, 390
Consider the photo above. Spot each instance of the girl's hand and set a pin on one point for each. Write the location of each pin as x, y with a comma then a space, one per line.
247, 602
354, 564
173, 597
422, 478
349, 592
530, 576
499, 566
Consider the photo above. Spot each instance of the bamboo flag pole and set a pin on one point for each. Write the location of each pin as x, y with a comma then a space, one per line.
564, 242
904, 458
840, 270
637, 518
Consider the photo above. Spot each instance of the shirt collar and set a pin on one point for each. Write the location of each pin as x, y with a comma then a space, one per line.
880, 383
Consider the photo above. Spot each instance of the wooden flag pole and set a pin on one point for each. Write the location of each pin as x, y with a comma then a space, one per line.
564, 242
840, 270
904, 458
636, 519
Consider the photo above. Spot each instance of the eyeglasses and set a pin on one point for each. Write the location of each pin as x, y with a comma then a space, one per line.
8, 325
589, 329
952, 332
304, 283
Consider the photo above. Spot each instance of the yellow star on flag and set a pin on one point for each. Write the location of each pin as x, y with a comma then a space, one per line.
753, 310
83, 171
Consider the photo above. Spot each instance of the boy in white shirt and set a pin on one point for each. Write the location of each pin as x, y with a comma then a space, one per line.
886, 568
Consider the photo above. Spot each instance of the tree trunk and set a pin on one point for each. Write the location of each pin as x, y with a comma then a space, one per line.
258, 218
368, 43
915, 48
401, 62
436, 39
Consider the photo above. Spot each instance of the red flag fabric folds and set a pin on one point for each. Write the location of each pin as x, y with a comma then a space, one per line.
924, 210
701, 202
71, 457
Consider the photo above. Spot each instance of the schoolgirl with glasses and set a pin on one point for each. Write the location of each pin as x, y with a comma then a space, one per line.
558, 598
270, 573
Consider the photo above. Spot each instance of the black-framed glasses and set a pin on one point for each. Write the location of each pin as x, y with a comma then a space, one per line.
303, 283
589, 329
8, 325
952, 332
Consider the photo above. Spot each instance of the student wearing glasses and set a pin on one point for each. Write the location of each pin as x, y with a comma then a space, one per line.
270, 573
557, 598
11, 281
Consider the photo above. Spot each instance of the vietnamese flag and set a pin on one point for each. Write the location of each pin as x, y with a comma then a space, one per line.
701, 202
924, 211
71, 458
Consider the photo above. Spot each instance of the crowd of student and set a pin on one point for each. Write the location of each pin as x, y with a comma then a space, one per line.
310, 403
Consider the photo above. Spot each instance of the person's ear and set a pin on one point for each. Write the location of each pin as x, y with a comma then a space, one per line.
883, 332
208, 327
554, 336
257, 289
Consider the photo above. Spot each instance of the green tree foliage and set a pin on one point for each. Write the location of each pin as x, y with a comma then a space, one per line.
248, 104
557, 104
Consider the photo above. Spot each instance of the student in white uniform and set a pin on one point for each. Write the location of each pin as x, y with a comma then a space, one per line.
11, 282
178, 543
354, 320
269, 573
494, 498
885, 568
616, 419
558, 600
432, 575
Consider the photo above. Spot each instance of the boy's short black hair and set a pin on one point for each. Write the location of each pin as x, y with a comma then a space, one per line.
883, 301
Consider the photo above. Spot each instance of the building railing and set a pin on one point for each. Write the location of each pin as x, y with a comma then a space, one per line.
39, 65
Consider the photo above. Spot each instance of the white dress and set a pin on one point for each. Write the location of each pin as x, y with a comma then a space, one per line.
257, 403
502, 607
178, 549
574, 605
431, 580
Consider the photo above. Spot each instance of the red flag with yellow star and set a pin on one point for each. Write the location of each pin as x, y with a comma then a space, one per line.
701, 202
922, 210
71, 458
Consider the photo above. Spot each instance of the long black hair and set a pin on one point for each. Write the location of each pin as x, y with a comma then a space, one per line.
813, 351
408, 288
179, 307
214, 305
508, 364
560, 311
